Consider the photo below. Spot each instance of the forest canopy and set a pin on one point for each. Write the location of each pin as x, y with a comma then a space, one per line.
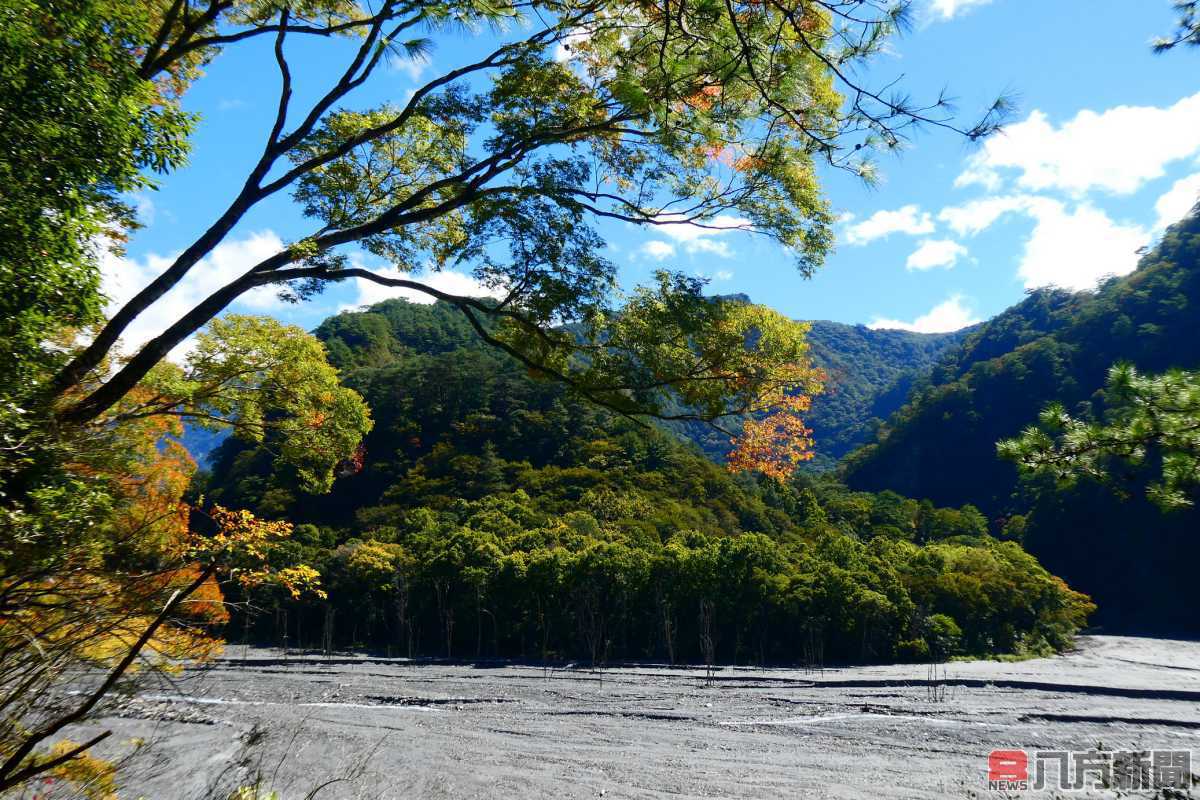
498, 516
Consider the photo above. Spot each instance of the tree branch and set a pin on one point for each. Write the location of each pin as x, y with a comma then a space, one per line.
10, 776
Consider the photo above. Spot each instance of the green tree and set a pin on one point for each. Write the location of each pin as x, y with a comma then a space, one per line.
1187, 31
261, 378
80, 129
1152, 425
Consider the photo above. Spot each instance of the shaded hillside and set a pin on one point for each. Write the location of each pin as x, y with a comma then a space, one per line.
870, 374
493, 514
1059, 346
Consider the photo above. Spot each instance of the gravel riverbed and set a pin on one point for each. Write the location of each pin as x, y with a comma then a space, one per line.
390, 728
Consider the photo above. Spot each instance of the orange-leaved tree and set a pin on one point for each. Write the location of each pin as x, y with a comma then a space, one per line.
110, 577
774, 439
100, 628
776, 444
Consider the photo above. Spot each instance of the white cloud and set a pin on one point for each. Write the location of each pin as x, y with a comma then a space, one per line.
908, 220
979, 215
1070, 247
948, 9
719, 275
411, 68
125, 277
450, 282
703, 237
680, 229
563, 50
935, 253
1075, 249
950, 315
144, 208
1117, 150
713, 246
1180, 199
657, 250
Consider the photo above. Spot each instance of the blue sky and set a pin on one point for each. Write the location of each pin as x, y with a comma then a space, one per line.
1103, 151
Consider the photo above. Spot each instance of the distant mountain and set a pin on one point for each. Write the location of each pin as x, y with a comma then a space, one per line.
870, 373
1058, 346
201, 443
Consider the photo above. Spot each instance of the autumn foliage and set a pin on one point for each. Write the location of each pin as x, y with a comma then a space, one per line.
775, 444
133, 589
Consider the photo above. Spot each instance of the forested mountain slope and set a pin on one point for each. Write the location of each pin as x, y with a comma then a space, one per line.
869, 374
1057, 346
1052, 346
491, 514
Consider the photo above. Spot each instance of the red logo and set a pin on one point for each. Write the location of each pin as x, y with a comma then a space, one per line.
1008, 765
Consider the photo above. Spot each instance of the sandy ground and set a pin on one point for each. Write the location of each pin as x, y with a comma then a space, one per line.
397, 729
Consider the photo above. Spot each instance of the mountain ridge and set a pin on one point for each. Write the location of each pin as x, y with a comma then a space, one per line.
870, 372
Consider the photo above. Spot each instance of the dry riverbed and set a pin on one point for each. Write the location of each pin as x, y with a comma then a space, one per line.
386, 728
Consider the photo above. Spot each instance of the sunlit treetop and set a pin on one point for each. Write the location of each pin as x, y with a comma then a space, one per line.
265, 381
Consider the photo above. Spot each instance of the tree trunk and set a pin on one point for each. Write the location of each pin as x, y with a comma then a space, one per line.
707, 644
327, 631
